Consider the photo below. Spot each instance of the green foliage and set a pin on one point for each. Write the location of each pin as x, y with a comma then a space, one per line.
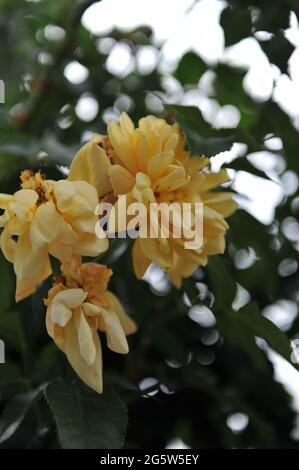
236, 24
77, 410
202, 138
190, 69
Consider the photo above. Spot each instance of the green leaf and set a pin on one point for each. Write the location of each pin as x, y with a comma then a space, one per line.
246, 324
190, 69
7, 284
264, 328
14, 413
278, 50
201, 137
228, 86
222, 284
231, 326
236, 23
11, 330
170, 344
86, 420
9, 374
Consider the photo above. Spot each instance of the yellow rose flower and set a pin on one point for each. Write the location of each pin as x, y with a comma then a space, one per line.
45, 218
77, 308
149, 164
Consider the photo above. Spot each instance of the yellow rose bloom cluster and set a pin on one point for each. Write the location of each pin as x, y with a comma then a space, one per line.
78, 306
150, 164
46, 218
58, 218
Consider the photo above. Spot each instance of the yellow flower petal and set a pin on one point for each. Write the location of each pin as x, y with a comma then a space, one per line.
214, 179
91, 164
152, 250
26, 287
60, 314
159, 165
8, 245
110, 324
140, 261
116, 338
121, 146
5, 199
60, 251
90, 374
128, 325
29, 264
221, 202
122, 181
90, 245
172, 181
45, 225
71, 298
126, 124
26, 197
85, 339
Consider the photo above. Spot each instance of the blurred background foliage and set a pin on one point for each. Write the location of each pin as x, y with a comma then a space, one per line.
200, 370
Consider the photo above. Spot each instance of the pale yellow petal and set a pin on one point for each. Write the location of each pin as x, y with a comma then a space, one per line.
26, 197
126, 124
85, 339
140, 261
116, 338
45, 225
91, 164
122, 181
28, 263
142, 151
214, 179
90, 245
90, 374
8, 245
60, 251
172, 181
5, 199
121, 146
221, 202
151, 248
159, 165
71, 298
127, 323
27, 287
60, 314
213, 217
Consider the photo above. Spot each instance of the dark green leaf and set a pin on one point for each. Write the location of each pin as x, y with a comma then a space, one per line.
278, 50
223, 285
14, 413
236, 23
86, 420
232, 327
7, 285
202, 138
190, 69
265, 329
11, 330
